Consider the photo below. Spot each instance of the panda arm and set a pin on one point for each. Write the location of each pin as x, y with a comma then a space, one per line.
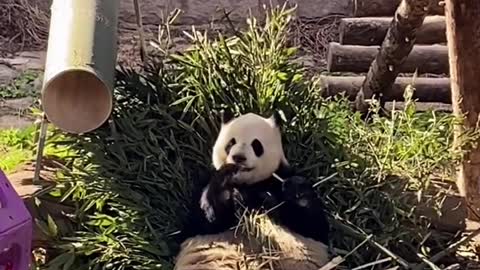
303, 215
213, 208
197, 222
303, 211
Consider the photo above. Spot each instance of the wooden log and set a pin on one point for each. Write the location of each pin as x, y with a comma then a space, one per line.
372, 30
353, 58
420, 106
394, 52
463, 35
426, 89
379, 8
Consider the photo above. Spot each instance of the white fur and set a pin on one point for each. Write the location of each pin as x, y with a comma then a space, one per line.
205, 205
245, 129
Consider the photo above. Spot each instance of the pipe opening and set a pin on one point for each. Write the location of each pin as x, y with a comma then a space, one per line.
76, 101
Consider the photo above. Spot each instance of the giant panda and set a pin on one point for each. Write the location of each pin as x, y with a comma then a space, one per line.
252, 173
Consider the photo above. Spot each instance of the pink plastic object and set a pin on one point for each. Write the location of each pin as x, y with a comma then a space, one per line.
15, 229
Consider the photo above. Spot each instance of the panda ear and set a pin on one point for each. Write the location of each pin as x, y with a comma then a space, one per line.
276, 119
226, 116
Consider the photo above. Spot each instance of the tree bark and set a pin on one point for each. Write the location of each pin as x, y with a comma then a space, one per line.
463, 35
422, 58
372, 30
426, 89
379, 8
394, 51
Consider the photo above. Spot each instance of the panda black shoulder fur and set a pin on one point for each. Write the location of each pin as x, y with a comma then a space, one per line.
246, 154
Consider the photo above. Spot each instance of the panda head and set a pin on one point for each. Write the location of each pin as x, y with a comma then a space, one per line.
252, 142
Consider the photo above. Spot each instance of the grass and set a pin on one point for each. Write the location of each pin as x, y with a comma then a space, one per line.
15, 148
128, 183
23, 86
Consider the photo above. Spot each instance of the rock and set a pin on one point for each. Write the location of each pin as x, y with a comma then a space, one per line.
14, 121
29, 60
17, 104
12, 113
38, 83
7, 74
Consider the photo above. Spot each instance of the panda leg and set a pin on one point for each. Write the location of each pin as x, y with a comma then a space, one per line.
303, 211
222, 251
293, 250
217, 200
283, 250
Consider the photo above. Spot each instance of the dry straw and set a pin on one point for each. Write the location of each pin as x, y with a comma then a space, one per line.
24, 24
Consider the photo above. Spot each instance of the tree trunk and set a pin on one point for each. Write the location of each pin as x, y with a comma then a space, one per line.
378, 8
395, 49
426, 89
372, 30
463, 35
353, 58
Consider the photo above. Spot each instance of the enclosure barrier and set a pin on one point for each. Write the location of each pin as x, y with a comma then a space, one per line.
15, 229
80, 64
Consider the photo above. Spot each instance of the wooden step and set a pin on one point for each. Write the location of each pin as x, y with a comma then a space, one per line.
366, 8
426, 89
356, 58
372, 30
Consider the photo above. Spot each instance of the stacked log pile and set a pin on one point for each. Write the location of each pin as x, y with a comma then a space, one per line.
360, 39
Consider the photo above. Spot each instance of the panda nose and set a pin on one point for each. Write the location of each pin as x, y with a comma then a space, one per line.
239, 158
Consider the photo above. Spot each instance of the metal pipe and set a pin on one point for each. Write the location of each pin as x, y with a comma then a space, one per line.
80, 64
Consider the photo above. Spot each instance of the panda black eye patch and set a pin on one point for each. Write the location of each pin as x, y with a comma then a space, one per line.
257, 147
231, 143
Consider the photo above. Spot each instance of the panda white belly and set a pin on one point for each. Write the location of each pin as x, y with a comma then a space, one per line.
267, 246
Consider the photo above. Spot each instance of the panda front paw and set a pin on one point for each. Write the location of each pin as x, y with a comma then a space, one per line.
298, 191
207, 205
217, 198
225, 174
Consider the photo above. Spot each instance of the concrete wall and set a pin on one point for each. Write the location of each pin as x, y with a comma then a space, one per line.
203, 11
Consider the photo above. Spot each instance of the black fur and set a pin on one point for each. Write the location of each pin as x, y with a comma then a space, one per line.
277, 118
257, 147
226, 116
302, 212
